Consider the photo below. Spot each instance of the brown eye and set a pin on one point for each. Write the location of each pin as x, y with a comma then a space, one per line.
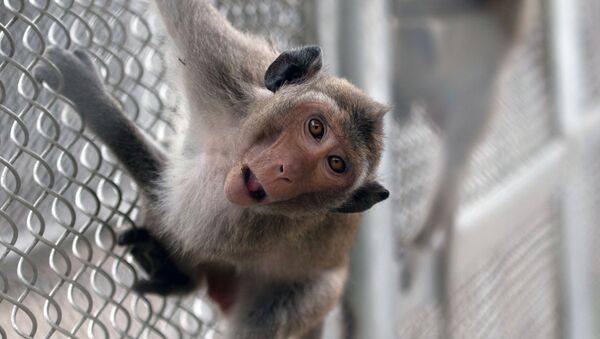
316, 128
337, 164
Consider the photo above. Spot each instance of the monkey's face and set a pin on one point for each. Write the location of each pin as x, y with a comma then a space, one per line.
303, 154
315, 142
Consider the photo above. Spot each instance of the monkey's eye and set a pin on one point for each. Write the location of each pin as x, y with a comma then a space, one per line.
337, 164
316, 128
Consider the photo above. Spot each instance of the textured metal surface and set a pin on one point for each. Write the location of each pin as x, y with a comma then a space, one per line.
513, 293
62, 195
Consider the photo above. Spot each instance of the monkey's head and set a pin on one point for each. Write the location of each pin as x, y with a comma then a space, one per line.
315, 143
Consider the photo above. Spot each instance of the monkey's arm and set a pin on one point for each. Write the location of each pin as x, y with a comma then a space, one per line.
79, 82
222, 66
196, 26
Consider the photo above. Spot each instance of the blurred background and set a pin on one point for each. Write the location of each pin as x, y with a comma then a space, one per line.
491, 157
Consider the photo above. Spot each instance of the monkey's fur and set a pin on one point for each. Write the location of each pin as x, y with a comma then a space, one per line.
275, 269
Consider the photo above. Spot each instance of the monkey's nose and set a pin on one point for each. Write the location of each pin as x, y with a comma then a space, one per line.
286, 172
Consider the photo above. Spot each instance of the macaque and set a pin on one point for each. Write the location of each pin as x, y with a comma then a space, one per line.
449, 58
260, 193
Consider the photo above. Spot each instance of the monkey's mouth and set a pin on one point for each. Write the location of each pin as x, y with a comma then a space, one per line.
255, 189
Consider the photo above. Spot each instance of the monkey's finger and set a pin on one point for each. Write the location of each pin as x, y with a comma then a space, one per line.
133, 236
144, 260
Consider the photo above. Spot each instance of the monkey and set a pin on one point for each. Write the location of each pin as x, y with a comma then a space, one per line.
450, 57
260, 194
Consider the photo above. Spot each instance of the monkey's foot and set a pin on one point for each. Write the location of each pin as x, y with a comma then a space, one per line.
71, 73
165, 277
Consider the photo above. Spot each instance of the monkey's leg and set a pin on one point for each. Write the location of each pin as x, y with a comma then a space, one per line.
445, 201
74, 75
461, 130
165, 276
280, 310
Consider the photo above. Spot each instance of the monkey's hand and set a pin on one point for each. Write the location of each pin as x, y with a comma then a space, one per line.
72, 74
165, 277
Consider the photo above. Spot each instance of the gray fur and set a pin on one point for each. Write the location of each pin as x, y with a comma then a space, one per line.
80, 83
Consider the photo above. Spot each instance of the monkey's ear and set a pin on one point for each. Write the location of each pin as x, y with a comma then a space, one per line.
364, 198
293, 66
